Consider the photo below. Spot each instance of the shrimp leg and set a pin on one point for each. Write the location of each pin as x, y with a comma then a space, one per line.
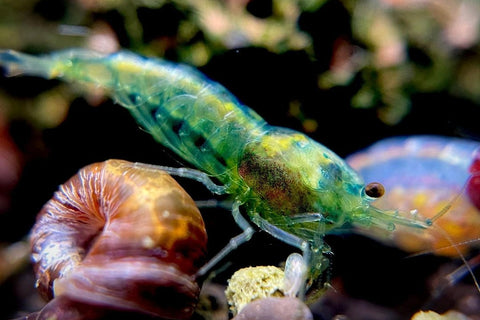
189, 173
234, 242
293, 241
203, 178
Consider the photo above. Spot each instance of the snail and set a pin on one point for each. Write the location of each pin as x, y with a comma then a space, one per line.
118, 236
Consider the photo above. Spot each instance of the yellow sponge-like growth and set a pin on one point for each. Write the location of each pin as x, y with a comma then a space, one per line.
249, 284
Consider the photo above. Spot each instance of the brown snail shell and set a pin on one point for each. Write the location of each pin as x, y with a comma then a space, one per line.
121, 236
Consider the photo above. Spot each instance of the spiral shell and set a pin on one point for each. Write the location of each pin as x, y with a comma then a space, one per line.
121, 236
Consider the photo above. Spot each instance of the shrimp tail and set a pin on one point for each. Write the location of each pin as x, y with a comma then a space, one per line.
16, 63
55, 65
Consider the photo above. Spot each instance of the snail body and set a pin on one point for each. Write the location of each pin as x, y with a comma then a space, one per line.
121, 236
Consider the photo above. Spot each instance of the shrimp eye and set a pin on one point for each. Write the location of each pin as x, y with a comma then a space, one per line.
374, 189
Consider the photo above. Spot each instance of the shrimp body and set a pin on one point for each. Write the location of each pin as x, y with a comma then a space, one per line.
290, 185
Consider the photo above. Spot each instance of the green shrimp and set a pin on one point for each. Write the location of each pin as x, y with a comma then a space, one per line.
287, 184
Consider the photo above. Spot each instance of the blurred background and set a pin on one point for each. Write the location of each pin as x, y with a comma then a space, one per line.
345, 72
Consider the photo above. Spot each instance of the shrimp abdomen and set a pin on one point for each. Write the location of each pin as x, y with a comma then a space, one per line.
182, 109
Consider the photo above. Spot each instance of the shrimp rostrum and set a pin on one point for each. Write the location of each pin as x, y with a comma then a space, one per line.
283, 181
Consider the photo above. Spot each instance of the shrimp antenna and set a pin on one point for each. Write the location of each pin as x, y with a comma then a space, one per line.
449, 205
423, 252
466, 264
454, 276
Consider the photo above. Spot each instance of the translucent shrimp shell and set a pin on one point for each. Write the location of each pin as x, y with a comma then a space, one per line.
198, 119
